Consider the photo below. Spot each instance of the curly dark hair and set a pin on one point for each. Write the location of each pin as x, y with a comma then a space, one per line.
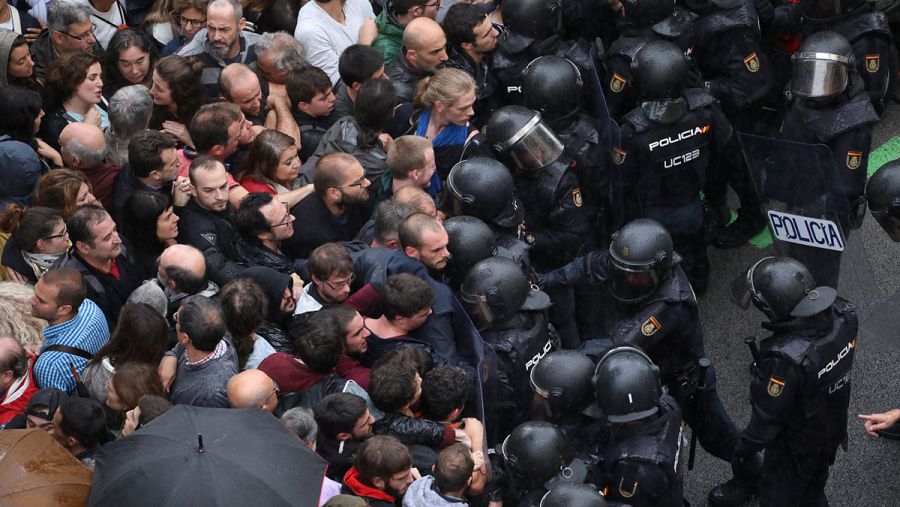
183, 77
64, 77
122, 40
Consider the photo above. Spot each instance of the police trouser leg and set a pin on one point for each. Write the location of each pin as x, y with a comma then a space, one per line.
784, 484
705, 414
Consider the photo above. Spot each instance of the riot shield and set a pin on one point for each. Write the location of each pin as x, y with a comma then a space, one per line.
808, 212
596, 103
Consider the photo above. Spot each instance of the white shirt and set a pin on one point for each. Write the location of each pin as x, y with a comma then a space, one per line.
324, 39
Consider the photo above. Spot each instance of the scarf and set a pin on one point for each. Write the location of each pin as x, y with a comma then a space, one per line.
39, 262
452, 135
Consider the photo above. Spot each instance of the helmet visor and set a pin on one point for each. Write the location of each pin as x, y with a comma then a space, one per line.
818, 74
631, 286
535, 146
742, 289
479, 310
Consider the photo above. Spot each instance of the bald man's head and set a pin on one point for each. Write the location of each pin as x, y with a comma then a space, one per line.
426, 44
240, 85
183, 269
82, 145
417, 199
252, 389
13, 361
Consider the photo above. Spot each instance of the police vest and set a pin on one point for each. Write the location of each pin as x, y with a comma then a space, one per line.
827, 362
828, 123
672, 158
537, 190
660, 448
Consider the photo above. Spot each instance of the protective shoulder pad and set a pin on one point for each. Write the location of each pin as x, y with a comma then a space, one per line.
698, 98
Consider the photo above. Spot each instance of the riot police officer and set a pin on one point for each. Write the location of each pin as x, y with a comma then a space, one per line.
800, 390
657, 311
536, 457
639, 462
573, 495
552, 86
866, 29
828, 107
483, 188
561, 382
469, 240
883, 196
512, 317
668, 144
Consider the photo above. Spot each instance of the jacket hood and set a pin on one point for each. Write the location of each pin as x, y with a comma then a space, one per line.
7, 37
22, 169
423, 493
273, 284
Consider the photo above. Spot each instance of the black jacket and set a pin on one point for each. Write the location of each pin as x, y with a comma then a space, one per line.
125, 184
212, 233
320, 226
404, 78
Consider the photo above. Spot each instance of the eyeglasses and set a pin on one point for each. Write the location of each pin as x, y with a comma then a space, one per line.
83, 37
358, 183
63, 233
183, 21
435, 4
287, 219
340, 284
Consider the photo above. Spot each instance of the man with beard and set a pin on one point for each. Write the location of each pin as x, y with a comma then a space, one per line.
344, 422
354, 343
262, 223
382, 470
222, 42
424, 50
337, 210
471, 39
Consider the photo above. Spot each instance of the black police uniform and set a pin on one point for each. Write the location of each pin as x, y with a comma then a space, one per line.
660, 169
800, 396
639, 465
667, 327
868, 32
514, 52
581, 136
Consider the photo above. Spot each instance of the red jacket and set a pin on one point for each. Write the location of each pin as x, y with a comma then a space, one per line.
15, 399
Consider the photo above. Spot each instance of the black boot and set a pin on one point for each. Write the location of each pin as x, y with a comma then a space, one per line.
740, 231
731, 494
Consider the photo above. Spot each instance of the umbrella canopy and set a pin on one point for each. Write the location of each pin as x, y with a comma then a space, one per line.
36, 470
208, 457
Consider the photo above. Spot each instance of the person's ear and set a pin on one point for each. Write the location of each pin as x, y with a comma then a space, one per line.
71, 442
82, 247
454, 415
378, 482
303, 106
154, 174
393, 244
217, 151
333, 193
241, 25
355, 86
343, 436
57, 37
64, 310
411, 252
466, 46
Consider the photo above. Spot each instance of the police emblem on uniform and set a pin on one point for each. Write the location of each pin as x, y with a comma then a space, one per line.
576, 196
853, 159
650, 326
617, 83
775, 387
752, 62
873, 62
618, 156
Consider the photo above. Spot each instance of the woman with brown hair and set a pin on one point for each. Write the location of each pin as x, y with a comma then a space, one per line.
245, 306
177, 95
38, 237
272, 166
128, 383
64, 190
73, 92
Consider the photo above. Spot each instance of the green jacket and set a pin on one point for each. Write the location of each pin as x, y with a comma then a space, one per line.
390, 36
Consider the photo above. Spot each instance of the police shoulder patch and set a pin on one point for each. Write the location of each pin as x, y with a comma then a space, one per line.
775, 387
752, 62
873, 63
617, 83
618, 156
853, 159
650, 326
576, 197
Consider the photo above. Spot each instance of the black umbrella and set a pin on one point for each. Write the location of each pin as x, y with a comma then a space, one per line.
208, 457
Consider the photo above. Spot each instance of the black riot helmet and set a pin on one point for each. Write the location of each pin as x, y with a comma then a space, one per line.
518, 135
573, 495
552, 86
493, 291
659, 73
484, 188
626, 383
641, 256
469, 241
535, 19
827, 10
883, 194
646, 13
535, 452
563, 379
821, 66
782, 288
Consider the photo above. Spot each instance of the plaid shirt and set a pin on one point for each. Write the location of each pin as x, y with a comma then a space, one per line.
87, 331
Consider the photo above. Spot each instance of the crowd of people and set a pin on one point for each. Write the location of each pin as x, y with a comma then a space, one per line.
454, 248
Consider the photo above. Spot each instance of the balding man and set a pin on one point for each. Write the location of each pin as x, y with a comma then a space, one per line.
326, 28
424, 51
182, 273
240, 85
252, 389
424, 238
16, 382
222, 42
394, 18
83, 148
338, 208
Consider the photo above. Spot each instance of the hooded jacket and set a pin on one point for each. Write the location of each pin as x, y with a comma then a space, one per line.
390, 36
213, 64
424, 493
21, 171
7, 37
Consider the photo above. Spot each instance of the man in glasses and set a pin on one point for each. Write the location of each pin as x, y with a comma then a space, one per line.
394, 18
338, 208
262, 223
69, 30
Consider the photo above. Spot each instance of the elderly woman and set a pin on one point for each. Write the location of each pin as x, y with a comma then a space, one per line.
129, 113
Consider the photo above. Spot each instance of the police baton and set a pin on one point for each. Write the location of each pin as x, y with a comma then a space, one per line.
704, 364
754, 350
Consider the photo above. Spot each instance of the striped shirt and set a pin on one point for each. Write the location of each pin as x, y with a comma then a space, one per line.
87, 331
